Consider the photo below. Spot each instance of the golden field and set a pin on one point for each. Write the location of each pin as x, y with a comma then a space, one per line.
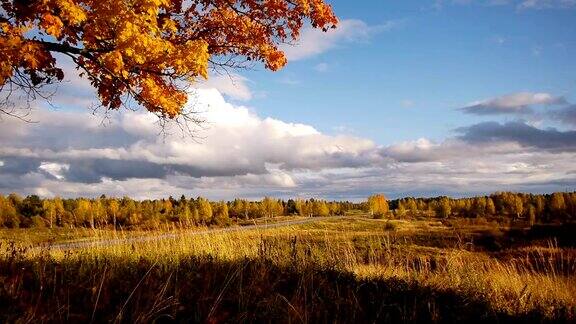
341, 269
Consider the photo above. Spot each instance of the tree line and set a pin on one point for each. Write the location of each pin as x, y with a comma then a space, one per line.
535, 208
105, 212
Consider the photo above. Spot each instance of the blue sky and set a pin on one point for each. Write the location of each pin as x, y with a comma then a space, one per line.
433, 61
406, 98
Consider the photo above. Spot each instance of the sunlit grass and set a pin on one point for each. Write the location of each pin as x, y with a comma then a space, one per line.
524, 281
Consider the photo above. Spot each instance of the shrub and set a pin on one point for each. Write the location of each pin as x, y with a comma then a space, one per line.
390, 226
37, 221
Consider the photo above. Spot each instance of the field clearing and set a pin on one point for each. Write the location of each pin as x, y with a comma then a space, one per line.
63, 236
344, 269
38, 236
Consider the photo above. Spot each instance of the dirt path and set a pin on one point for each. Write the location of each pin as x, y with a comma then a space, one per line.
109, 242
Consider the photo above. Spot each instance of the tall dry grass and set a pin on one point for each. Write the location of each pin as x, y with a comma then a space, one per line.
530, 283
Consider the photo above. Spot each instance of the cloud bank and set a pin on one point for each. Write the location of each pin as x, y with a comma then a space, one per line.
240, 153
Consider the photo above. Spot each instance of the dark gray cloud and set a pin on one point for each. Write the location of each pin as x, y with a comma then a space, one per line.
18, 166
546, 139
566, 115
94, 170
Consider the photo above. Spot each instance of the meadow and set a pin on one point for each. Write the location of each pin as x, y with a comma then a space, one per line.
339, 269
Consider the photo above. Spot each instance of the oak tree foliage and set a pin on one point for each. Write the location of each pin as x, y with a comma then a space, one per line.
147, 51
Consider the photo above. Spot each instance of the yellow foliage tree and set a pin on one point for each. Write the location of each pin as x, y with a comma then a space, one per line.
147, 50
377, 205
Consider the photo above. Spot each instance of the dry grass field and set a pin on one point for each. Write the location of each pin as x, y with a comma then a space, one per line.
345, 269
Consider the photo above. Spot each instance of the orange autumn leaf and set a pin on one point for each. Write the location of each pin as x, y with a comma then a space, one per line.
149, 49
52, 25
